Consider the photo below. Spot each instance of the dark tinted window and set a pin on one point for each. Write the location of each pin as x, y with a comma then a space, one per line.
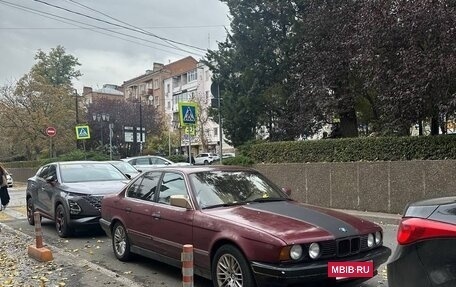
145, 187
172, 184
46, 171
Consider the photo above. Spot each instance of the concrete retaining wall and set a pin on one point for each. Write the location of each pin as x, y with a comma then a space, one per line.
367, 186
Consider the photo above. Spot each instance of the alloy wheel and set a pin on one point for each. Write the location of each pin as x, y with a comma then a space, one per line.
120, 240
229, 272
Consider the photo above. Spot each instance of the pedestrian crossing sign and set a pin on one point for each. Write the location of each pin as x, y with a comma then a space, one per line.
187, 113
82, 132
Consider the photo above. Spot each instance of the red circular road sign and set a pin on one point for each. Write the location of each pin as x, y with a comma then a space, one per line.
51, 131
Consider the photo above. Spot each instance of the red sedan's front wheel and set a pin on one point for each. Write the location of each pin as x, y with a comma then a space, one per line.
230, 269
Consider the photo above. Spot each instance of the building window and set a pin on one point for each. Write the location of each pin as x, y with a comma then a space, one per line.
215, 132
168, 104
207, 76
168, 88
191, 76
156, 86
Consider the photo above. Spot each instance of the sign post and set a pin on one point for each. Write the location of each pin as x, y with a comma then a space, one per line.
50, 132
187, 117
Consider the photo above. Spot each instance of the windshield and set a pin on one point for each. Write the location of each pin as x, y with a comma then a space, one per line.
84, 172
222, 188
125, 167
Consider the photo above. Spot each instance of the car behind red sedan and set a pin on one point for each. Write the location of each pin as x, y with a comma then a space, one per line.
426, 252
245, 230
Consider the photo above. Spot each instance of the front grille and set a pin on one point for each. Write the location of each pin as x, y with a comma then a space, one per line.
348, 246
328, 248
94, 200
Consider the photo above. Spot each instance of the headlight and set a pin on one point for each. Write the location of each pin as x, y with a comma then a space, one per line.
74, 207
314, 250
378, 237
296, 252
370, 240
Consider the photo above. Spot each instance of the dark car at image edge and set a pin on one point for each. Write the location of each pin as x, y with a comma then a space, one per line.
426, 252
245, 230
70, 193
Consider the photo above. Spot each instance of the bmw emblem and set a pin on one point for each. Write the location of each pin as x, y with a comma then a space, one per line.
343, 229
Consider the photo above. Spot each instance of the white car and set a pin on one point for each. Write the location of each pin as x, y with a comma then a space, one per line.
9, 179
149, 162
206, 158
228, 155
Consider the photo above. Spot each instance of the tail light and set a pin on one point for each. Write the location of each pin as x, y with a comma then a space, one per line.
416, 229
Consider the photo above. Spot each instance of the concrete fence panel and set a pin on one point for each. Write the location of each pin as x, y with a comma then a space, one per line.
366, 186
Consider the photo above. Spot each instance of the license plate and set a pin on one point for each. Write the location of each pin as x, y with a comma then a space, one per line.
342, 270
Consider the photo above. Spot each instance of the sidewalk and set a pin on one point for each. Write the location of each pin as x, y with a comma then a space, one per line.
66, 270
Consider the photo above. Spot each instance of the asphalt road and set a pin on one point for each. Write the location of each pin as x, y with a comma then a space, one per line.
95, 246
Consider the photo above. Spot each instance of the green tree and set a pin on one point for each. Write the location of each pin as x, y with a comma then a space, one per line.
252, 66
326, 77
407, 53
57, 67
38, 100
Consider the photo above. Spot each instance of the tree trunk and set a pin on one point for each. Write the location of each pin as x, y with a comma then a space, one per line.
348, 124
435, 124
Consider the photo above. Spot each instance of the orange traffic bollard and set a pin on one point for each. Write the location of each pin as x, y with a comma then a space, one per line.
37, 251
187, 265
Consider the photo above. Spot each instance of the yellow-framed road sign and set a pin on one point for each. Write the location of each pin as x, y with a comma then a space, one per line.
82, 132
187, 113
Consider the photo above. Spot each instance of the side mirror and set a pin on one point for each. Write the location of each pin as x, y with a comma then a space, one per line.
51, 179
180, 201
287, 190
128, 175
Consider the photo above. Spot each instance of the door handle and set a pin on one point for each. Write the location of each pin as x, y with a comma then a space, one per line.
156, 215
128, 209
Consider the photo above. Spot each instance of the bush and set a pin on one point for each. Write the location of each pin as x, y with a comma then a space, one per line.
238, 160
177, 158
356, 149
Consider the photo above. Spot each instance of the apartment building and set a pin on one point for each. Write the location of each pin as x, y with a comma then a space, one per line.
148, 88
109, 91
193, 85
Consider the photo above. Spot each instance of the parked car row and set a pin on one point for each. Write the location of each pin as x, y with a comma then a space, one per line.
248, 232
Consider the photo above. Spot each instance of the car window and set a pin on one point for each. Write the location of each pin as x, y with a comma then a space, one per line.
86, 172
145, 187
220, 187
158, 160
172, 184
43, 171
142, 161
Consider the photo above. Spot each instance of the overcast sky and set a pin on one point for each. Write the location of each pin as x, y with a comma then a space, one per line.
108, 59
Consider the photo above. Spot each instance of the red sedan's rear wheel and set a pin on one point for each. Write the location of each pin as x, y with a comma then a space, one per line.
120, 242
230, 268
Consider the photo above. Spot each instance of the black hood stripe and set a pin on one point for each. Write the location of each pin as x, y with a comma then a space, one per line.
333, 225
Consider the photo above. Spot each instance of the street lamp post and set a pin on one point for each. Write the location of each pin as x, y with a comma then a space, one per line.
140, 127
76, 106
104, 117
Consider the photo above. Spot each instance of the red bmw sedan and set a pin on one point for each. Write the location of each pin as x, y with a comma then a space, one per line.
245, 230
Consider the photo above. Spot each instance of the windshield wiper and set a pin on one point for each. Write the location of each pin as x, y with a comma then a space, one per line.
224, 204
268, 199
